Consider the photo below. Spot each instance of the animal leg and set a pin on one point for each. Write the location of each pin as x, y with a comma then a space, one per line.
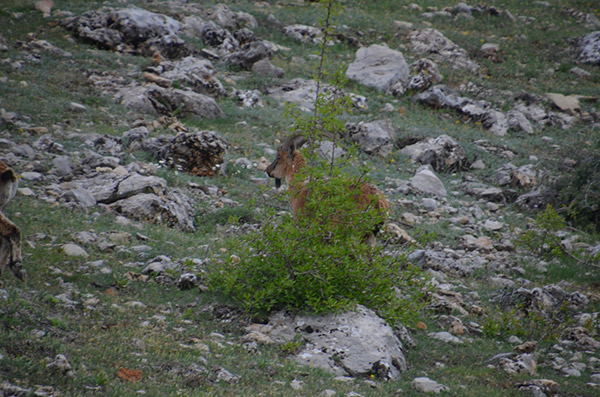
10, 247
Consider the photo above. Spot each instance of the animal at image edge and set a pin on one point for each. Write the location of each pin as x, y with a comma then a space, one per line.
10, 235
289, 162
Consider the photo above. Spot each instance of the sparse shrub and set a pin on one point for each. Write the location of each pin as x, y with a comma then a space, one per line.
542, 239
580, 189
321, 262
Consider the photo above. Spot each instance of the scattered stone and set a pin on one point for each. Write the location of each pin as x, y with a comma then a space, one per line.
523, 363
74, 250
77, 107
426, 385
303, 33
61, 366
446, 337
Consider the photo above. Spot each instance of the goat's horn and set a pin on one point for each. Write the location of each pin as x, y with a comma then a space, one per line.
294, 142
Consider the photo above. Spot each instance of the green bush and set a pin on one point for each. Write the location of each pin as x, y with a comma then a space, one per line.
580, 189
321, 261
543, 240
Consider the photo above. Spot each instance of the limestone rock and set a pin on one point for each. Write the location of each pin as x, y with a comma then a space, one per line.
433, 43
196, 153
375, 138
442, 153
426, 181
590, 49
356, 343
264, 68
158, 100
129, 30
426, 385
303, 33
379, 67
565, 103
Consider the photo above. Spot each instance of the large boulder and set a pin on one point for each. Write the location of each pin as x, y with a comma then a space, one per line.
132, 30
379, 67
426, 181
196, 73
431, 42
108, 187
249, 54
158, 100
375, 138
196, 153
355, 343
590, 49
442, 153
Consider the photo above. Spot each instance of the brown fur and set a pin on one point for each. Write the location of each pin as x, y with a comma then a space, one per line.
10, 235
290, 161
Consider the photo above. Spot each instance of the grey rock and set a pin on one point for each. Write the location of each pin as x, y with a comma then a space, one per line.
62, 166
123, 29
303, 93
264, 68
426, 181
199, 153
61, 366
360, 341
375, 138
523, 363
432, 43
446, 337
249, 54
74, 250
303, 33
192, 25
77, 107
379, 67
79, 196
426, 385
426, 74
442, 153
187, 281
590, 49
196, 73
517, 121
159, 265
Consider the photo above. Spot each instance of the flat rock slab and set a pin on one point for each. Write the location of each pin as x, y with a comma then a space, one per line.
355, 343
379, 67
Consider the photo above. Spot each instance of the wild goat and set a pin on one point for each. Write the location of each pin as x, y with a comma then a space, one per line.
10, 235
290, 161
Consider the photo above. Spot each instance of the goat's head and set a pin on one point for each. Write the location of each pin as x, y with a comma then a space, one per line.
283, 167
